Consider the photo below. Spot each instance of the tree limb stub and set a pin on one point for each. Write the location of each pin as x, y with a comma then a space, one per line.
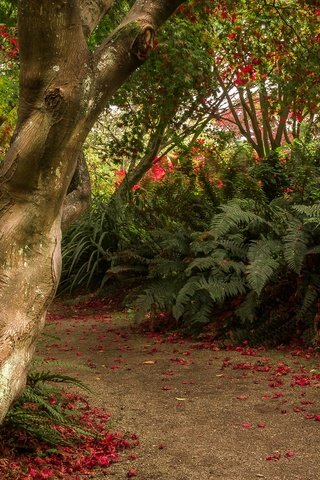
143, 44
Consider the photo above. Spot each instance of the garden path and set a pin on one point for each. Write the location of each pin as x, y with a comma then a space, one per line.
201, 412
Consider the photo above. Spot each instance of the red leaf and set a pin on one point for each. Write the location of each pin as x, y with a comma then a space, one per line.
261, 424
132, 473
289, 454
246, 425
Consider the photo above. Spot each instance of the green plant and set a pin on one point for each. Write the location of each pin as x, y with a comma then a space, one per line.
42, 410
255, 257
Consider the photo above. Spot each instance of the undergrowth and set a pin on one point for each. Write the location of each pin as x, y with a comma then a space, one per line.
50, 433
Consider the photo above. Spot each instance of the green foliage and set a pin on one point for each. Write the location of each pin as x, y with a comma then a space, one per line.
41, 409
89, 243
248, 256
264, 262
114, 239
8, 12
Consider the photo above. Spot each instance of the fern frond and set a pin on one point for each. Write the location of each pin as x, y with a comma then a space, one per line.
310, 211
295, 245
234, 214
184, 296
46, 376
235, 245
310, 298
219, 291
264, 263
247, 310
201, 264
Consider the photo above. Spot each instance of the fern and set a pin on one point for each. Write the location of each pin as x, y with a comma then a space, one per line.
219, 291
264, 263
36, 414
46, 376
310, 211
185, 296
234, 215
295, 245
310, 298
159, 296
247, 310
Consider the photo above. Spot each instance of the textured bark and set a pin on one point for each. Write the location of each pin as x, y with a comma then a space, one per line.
63, 88
78, 196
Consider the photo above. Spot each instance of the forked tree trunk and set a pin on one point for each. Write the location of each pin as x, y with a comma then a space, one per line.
63, 88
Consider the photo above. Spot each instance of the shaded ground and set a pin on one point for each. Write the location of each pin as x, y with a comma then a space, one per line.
201, 413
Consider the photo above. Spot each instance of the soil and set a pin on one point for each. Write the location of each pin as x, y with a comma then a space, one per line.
201, 412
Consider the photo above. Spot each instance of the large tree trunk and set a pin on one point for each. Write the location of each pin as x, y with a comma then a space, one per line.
63, 88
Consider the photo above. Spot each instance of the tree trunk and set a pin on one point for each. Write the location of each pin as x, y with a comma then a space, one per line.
63, 88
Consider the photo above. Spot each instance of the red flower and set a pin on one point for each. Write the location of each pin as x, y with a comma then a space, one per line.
120, 173
46, 473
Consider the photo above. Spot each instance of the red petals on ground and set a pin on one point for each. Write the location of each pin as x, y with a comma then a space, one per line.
289, 454
72, 460
247, 425
273, 457
132, 473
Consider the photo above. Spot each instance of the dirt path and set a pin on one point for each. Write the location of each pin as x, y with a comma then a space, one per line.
200, 413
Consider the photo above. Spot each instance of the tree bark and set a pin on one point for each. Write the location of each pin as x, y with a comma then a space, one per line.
63, 88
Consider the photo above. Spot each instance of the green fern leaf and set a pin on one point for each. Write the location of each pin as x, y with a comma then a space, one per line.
295, 245
264, 262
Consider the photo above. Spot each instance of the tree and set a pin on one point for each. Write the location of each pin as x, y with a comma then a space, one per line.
164, 106
43, 179
269, 54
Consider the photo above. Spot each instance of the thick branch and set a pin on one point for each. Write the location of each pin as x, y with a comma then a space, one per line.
127, 48
236, 118
79, 194
266, 128
254, 121
135, 175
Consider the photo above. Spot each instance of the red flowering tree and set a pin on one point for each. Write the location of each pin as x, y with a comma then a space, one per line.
269, 54
248, 68
165, 106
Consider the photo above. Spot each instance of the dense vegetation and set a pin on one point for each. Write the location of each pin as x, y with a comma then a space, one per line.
206, 178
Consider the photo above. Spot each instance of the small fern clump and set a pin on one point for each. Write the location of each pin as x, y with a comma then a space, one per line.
50, 434
42, 408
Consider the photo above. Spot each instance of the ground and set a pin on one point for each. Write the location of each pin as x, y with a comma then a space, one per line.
201, 411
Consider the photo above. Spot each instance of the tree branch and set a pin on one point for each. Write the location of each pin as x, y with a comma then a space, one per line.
254, 121
92, 12
127, 48
78, 197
